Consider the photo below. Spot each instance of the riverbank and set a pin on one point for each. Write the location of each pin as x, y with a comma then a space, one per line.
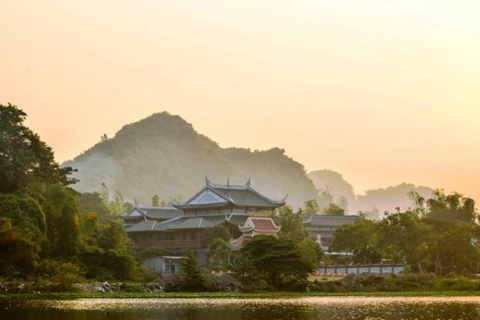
233, 295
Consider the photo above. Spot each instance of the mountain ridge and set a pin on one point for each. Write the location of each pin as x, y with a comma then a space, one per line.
164, 155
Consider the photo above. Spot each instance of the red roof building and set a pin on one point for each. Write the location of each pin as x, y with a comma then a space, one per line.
256, 226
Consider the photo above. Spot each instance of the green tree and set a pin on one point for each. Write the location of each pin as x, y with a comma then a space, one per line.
333, 210
291, 224
404, 239
453, 207
278, 261
216, 232
451, 248
24, 158
19, 253
359, 239
311, 252
63, 221
194, 280
219, 255
108, 252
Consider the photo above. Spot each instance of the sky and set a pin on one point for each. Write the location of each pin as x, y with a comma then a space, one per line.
383, 92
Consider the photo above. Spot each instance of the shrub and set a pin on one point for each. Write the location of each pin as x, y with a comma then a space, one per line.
63, 274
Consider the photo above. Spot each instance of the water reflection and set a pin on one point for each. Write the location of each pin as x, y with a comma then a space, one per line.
361, 308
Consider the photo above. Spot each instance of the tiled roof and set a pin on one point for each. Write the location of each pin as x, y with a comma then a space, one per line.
237, 195
237, 219
146, 226
181, 223
260, 224
153, 213
191, 223
238, 242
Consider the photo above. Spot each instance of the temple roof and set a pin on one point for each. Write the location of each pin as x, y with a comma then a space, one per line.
187, 222
216, 195
153, 213
260, 225
238, 242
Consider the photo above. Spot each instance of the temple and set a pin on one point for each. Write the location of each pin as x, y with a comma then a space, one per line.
183, 224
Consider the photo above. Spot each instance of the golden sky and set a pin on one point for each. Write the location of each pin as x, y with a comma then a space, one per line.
383, 92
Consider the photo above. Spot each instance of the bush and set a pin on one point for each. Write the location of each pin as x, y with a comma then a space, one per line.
62, 274
99, 273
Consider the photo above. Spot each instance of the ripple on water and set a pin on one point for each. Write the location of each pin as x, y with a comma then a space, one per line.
364, 308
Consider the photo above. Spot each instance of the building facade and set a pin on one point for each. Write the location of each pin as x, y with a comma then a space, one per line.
183, 225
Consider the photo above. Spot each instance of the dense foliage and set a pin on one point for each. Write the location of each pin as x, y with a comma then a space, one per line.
438, 235
24, 158
46, 228
278, 262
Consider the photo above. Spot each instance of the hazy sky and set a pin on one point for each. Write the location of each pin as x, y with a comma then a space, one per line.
383, 92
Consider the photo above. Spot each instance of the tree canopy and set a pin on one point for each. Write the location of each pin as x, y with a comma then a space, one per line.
24, 158
278, 261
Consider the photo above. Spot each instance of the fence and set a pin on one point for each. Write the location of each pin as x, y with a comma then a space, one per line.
360, 269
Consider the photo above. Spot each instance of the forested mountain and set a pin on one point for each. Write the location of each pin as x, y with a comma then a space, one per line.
163, 155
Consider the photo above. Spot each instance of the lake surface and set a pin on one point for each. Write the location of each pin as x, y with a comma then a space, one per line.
429, 308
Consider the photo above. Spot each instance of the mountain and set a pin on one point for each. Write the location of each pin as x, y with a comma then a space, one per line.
332, 185
163, 155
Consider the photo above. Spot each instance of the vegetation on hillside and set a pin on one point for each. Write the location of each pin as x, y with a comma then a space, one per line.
163, 155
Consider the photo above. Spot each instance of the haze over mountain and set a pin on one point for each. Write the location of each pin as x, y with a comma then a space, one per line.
163, 155
332, 185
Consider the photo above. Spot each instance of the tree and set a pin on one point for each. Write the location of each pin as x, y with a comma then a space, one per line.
453, 207
311, 207
108, 252
24, 158
219, 255
404, 239
63, 221
311, 252
278, 260
291, 224
333, 210
194, 280
359, 239
22, 234
19, 254
216, 232
451, 248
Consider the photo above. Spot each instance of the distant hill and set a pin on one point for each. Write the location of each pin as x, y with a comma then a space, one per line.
373, 200
163, 155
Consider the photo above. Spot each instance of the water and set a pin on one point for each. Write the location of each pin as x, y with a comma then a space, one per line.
352, 308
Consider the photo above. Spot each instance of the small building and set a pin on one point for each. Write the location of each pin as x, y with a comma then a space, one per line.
163, 265
255, 226
322, 227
